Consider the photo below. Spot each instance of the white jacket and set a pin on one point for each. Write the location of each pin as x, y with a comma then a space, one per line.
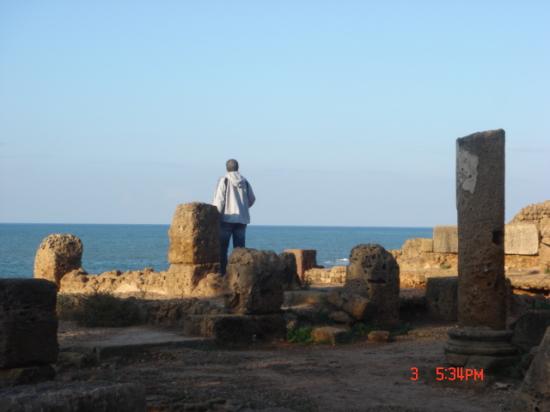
233, 197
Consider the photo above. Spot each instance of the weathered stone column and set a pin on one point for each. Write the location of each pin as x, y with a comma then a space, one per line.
481, 339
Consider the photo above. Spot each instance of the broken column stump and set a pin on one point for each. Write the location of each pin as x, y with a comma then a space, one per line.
28, 330
57, 255
373, 273
255, 280
194, 246
481, 339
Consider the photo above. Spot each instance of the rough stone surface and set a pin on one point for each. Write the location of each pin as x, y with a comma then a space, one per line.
379, 336
480, 205
521, 239
333, 276
330, 334
536, 385
353, 304
255, 281
28, 323
445, 239
194, 234
441, 298
374, 274
534, 213
416, 246
305, 259
291, 280
181, 280
74, 397
529, 329
57, 255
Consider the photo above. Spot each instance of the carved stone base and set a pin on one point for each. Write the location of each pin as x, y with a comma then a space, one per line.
480, 347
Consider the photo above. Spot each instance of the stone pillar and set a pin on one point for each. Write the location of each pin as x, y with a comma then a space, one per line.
194, 249
481, 339
28, 330
373, 273
57, 255
305, 259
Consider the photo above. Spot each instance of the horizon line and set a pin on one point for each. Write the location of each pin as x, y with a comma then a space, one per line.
168, 224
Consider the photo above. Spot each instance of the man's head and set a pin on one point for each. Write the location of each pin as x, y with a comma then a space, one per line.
232, 165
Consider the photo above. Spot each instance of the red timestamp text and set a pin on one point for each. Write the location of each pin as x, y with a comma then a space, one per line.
452, 373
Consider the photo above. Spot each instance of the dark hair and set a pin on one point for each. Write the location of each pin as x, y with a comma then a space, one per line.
232, 165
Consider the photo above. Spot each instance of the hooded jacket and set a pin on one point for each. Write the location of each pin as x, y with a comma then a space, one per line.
233, 197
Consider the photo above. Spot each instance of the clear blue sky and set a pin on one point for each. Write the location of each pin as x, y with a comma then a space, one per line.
340, 112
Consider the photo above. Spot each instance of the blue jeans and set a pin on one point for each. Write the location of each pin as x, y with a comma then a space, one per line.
238, 231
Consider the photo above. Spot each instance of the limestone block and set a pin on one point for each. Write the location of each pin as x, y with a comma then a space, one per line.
255, 279
379, 336
75, 397
442, 298
28, 323
445, 239
184, 279
521, 239
305, 259
330, 334
351, 303
291, 281
194, 234
536, 384
57, 255
374, 274
417, 246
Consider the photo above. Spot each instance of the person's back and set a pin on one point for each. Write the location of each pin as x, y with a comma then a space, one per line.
233, 198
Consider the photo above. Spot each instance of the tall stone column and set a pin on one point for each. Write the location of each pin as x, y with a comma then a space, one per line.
480, 339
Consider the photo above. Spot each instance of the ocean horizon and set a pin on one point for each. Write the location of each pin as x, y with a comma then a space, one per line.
124, 247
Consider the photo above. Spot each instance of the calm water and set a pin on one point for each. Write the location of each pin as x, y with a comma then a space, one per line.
124, 247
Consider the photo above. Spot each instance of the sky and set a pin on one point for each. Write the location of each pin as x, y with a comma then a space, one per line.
340, 112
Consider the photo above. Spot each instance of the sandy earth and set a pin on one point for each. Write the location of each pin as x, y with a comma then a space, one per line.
363, 376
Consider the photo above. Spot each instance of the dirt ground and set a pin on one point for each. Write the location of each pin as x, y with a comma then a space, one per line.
362, 376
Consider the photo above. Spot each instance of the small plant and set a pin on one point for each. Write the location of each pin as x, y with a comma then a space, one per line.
547, 270
101, 309
445, 265
299, 335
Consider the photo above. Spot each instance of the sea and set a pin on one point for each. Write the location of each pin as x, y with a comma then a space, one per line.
129, 247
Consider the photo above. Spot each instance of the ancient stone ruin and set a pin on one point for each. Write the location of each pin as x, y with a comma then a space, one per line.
305, 259
28, 331
481, 340
57, 255
371, 289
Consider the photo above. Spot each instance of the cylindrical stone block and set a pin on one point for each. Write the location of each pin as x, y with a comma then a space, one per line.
480, 207
194, 234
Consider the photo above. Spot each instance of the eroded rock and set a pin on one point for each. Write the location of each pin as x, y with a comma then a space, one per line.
57, 255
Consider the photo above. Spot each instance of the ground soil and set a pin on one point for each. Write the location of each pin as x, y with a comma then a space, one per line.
361, 376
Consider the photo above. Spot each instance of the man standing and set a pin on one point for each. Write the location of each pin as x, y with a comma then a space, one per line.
233, 197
